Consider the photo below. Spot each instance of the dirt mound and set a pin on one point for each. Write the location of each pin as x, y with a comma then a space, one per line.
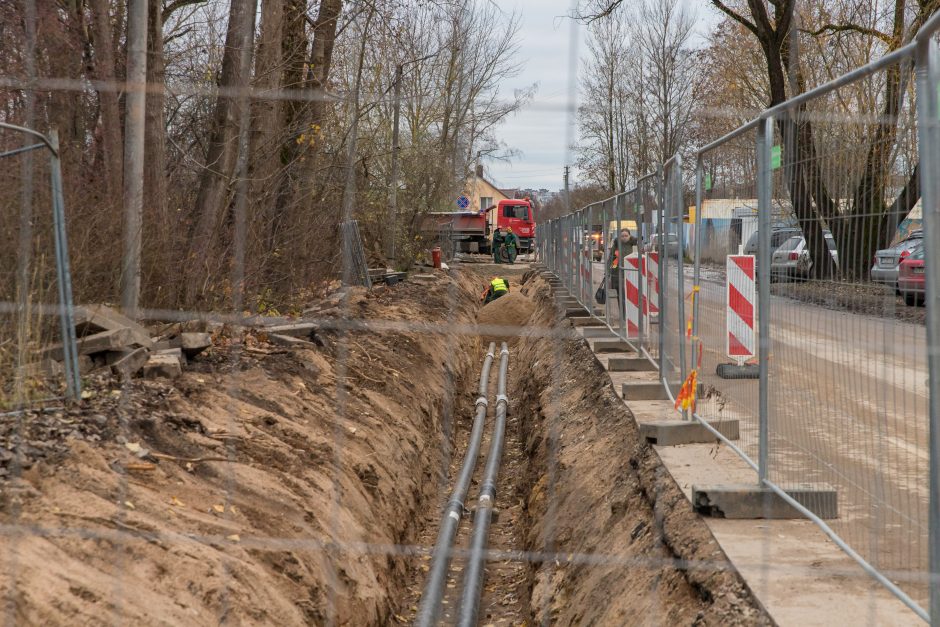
264, 486
506, 316
629, 547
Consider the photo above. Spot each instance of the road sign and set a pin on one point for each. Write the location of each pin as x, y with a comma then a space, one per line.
463, 202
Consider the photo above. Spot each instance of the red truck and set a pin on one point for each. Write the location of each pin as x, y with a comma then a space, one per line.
471, 231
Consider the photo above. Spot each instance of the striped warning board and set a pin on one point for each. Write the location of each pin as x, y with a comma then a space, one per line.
651, 284
631, 277
586, 285
742, 299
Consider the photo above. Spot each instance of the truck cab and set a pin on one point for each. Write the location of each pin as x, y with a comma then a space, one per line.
519, 215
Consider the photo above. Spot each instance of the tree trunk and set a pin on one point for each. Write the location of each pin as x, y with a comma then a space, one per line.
267, 132
321, 58
112, 149
222, 151
156, 220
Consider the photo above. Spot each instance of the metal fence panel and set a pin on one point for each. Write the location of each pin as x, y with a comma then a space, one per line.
38, 356
724, 222
848, 377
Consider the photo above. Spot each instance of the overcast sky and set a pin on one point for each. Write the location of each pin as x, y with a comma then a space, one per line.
543, 130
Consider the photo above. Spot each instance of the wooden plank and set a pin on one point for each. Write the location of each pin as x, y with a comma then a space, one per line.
113, 340
93, 319
303, 330
126, 364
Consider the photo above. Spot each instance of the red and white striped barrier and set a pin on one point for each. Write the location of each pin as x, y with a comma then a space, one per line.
742, 301
586, 276
631, 277
651, 284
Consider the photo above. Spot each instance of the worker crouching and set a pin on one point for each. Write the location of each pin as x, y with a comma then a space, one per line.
497, 287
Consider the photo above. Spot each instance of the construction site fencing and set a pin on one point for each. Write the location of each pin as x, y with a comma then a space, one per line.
772, 298
648, 202
723, 222
39, 359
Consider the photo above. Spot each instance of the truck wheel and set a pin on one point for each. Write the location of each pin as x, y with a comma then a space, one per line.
504, 255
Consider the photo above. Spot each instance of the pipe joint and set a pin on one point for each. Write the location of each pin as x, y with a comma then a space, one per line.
502, 398
482, 401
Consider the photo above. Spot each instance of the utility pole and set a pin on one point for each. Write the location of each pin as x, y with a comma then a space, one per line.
392, 231
567, 191
134, 153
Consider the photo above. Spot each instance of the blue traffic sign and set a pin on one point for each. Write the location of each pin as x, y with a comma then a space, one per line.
463, 202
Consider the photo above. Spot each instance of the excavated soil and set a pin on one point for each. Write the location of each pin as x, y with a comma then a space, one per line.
313, 466
304, 486
610, 537
513, 309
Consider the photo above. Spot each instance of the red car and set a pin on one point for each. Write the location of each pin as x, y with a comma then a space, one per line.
911, 277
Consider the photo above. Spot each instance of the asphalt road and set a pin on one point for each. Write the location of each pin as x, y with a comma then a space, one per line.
848, 398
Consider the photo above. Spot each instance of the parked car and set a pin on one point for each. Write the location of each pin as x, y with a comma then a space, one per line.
672, 244
911, 275
778, 236
886, 262
791, 260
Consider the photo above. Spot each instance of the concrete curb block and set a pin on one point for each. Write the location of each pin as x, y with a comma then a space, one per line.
743, 501
676, 432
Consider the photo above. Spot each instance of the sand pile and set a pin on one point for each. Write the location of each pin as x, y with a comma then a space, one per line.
512, 310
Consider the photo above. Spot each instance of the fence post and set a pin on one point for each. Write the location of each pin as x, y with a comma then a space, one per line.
765, 135
73, 382
589, 275
570, 254
621, 272
928, 125
677, 202
605, 245
661, 272
697, 253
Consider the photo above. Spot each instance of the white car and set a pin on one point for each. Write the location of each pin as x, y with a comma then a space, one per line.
791, 260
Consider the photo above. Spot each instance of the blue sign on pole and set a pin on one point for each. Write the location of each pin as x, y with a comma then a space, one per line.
463, 202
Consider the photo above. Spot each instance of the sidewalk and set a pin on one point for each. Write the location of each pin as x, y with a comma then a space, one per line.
794, 570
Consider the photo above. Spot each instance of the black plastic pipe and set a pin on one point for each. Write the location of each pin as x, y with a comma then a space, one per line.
430, 607
475, 570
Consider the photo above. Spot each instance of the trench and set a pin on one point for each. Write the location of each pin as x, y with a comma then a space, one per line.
339, 457
590, 529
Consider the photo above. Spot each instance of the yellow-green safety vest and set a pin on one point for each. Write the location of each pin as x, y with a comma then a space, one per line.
499, 285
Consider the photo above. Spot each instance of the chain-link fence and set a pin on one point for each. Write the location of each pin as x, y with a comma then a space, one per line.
812, 315
38, 352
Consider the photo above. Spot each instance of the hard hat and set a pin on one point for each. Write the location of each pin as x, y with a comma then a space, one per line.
509, 228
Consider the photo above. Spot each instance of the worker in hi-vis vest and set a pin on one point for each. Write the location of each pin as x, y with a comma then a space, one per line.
497, 287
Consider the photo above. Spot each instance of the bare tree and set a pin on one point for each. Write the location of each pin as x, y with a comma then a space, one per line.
875, 217
603, 118
639, 88
220, 159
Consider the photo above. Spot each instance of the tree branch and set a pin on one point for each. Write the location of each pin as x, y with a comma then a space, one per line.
593, 17
856, 28
740, 19
169, 9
